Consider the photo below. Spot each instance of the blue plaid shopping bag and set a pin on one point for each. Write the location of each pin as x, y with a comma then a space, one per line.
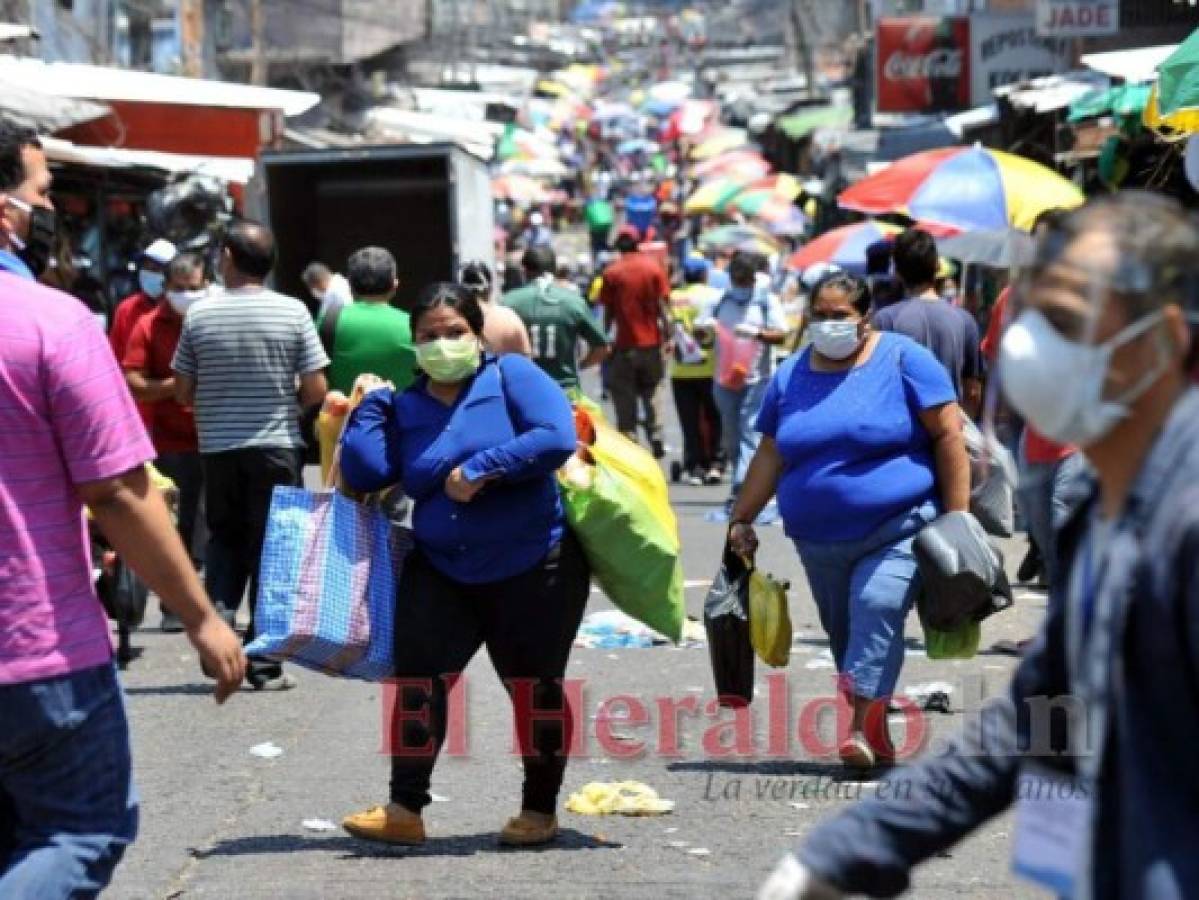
328, 583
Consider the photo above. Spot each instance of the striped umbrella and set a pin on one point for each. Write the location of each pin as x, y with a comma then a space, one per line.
844, 247
747, 164
967, 188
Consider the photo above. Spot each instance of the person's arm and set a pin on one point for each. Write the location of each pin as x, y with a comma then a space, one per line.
761, 483
313, 387
185, 366
774, 330
370, 444
933, 401
944, 427
545, 432
972, 399
597, 342
103, 448
134, 519
147, 389
973, 369
930, 805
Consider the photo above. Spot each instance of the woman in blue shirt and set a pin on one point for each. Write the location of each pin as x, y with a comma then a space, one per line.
475, 442
862, 442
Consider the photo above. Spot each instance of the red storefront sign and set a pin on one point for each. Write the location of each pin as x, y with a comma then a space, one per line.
922, 64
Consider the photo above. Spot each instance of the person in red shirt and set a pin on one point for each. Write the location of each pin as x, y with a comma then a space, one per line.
635, 296
151, 280
147, 364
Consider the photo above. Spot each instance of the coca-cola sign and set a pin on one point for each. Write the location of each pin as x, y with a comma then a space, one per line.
923, 64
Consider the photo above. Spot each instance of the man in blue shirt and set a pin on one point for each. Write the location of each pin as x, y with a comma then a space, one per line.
950, 333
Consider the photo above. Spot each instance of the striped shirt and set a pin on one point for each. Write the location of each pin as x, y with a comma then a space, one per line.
245, 348
66, 418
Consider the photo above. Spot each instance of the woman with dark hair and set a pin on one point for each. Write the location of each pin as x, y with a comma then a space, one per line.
862, 442
503, 330
475, 443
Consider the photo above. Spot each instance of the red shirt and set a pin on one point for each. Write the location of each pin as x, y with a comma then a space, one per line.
150, 349
129, 312
634, 288
1037, 448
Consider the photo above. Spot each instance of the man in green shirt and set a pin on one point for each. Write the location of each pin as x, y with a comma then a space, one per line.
556, 318
369, 335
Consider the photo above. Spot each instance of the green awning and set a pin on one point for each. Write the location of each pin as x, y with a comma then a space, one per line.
1122, 100
1178, 78
800, 124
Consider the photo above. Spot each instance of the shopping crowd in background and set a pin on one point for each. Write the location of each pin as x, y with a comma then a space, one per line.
833, 400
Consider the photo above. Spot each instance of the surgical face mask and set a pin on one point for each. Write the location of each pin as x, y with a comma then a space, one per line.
181, 301
1057, 384
151, 283
449, 360
36, 249
835, 339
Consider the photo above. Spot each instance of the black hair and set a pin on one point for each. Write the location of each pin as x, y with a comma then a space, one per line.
626, 243
13, 139
252, 248
857, 289
183, 265
916, 258
456, 297
743, 268
695, 275
1050, 219
371, 272
539, 261
477, 276
878, 257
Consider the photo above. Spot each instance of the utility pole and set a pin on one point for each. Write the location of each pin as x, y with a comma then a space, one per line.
258, 63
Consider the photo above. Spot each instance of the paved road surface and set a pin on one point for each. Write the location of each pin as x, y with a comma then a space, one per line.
218, 822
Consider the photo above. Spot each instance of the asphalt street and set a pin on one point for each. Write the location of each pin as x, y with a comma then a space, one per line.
220, 822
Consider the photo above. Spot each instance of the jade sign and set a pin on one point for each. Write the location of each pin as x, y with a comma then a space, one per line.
1077, 18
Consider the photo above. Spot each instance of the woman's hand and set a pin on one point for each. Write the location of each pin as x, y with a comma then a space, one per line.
367, 382
459, 489
743, 539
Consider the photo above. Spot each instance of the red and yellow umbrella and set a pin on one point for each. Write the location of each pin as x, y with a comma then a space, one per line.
844, 247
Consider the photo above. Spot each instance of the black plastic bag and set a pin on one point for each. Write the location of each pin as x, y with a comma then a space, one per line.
961, 573
726, 619
124, 596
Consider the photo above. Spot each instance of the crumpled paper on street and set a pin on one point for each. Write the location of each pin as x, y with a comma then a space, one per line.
624, 798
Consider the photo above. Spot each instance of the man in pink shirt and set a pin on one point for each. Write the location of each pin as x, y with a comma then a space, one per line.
70, 436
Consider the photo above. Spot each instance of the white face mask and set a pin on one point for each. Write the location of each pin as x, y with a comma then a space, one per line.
181, 301
1057, 384
835, 340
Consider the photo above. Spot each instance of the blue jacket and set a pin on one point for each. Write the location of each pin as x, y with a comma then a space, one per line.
510, 420
1139, 673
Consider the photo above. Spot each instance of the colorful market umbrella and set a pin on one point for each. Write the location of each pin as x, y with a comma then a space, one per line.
844, 247
712, 196
520, 189
719, 142
1184, 121
739, 237
1178, 78
793, 224
967, 188
747, 164
1122, 100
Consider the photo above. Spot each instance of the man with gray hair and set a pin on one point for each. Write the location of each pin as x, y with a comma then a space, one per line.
1099, 354
328, 288
370, 335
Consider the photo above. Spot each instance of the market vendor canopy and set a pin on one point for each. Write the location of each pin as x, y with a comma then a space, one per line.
964, 188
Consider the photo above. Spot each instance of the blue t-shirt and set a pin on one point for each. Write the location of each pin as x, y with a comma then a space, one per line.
855, 453
640, 211
947, 331
511, 422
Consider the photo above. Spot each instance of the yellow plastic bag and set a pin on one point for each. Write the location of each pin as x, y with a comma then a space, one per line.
769, 619
613, 450
625, 798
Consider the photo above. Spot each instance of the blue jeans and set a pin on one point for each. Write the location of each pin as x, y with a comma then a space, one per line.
738, 414
67, 805
1048, 494
863, 591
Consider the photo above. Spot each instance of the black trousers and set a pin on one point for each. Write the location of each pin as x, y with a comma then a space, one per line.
187, 471
528, 623
238, 486
700, 421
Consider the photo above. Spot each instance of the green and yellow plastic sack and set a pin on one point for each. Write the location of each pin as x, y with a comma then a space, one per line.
769, 619
617, 504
